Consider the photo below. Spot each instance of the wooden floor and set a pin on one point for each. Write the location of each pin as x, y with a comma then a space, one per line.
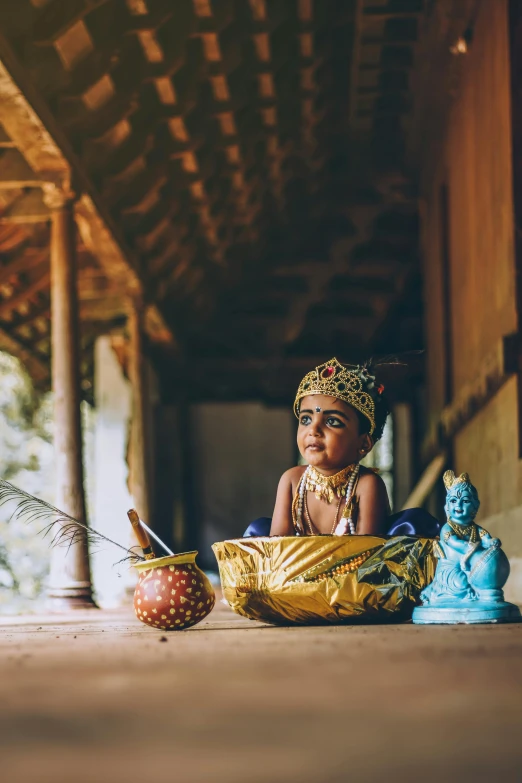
102, 698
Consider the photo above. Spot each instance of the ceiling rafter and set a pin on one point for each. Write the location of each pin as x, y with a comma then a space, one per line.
36, 363
22, 263
56, 19
40, 283
218, 149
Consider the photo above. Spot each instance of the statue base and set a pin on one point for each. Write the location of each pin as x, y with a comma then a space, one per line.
477, 612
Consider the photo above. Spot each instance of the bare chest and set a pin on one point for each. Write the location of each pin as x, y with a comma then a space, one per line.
320, 516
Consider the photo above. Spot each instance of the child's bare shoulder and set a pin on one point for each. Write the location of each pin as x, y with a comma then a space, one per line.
371, 490
290, 478
369, 481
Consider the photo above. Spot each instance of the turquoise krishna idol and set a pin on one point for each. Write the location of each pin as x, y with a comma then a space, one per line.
471, 570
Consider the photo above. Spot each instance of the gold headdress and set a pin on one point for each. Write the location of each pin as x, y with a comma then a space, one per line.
450, 479
335, 380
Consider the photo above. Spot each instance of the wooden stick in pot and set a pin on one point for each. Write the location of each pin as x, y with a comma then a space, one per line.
141, 534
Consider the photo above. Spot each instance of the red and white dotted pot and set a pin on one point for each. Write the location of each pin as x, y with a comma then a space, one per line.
172, 592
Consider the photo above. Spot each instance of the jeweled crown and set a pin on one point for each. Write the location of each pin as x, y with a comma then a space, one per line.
334, 380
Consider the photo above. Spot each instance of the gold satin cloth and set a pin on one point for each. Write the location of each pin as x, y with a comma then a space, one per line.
324, 579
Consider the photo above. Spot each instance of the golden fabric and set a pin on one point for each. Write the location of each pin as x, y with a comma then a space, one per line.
324, 579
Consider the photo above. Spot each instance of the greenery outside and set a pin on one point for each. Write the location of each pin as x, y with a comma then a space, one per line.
27, 460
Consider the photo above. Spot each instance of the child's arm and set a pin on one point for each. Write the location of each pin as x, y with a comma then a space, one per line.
373, 505
486, 539
282, 518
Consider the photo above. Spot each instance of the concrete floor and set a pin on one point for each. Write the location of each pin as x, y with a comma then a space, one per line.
101, 698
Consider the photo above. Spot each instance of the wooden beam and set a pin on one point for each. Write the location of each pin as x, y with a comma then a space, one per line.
150, 22
29, 122
55, 20
22, 123
173, 248
158, 329
35, 365
15, 172
40, 311
23, 263
13, 239
426, 482
5, 141
29, 208
8, 305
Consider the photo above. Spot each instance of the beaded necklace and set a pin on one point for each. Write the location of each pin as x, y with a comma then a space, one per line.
343, 485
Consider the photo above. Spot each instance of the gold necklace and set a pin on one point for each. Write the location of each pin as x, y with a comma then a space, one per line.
311, 526
328, 487
344, 490
465, 531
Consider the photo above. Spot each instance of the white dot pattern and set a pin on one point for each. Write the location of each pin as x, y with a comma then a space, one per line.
192, 589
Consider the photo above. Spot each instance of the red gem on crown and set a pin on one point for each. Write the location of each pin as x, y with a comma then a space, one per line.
328, 372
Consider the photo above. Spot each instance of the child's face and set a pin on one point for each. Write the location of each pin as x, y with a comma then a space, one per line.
461, 507
328, 434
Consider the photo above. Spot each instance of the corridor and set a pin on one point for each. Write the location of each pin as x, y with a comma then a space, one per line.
98, 697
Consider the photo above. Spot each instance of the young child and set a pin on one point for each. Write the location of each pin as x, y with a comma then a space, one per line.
342, 413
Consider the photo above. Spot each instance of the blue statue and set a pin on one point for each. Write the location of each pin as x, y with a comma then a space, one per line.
471, 570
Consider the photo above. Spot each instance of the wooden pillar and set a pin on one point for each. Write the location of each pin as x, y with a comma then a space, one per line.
70, 581
402, 453
139, 479
191, 498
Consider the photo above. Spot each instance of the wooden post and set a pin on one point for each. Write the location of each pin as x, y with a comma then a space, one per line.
70, 581
139, 479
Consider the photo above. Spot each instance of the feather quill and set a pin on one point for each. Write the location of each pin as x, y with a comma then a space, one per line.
62, 528
391, 359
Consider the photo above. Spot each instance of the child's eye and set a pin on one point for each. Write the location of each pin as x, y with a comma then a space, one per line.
332, 421
305, 419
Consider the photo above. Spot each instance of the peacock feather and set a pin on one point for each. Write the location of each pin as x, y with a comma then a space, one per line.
61, 528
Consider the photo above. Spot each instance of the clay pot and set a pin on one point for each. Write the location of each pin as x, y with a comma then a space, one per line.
172, 592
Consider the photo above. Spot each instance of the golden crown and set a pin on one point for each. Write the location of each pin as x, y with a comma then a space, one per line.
334, 380
450, 479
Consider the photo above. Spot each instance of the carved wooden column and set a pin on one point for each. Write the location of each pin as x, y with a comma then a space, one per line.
70, 581
139, 483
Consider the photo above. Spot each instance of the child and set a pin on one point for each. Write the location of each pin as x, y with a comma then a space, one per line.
342, 413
